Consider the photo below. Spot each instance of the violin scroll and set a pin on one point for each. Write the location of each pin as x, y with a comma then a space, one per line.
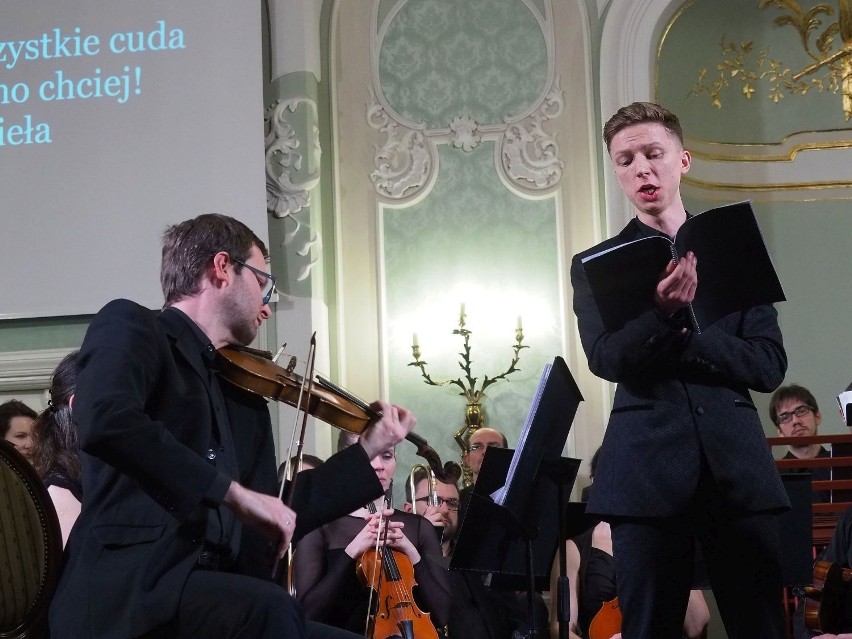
449, 473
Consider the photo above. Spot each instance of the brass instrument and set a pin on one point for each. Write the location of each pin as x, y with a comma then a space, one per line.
433, 486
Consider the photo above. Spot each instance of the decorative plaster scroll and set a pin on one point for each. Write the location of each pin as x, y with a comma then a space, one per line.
529, 154
404, 161
526, 155
285, 194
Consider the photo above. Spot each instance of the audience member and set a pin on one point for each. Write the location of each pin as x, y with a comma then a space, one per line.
56, 449
16, 420
307, 462
794, 411
444, 515
480, 440
327, 584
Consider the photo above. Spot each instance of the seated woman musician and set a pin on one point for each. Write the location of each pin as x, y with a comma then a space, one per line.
590, 568
56, 450
325, 561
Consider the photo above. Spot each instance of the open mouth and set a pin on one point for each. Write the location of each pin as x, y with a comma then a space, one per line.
648, 189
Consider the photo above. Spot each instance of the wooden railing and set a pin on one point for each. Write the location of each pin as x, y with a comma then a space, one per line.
825, 515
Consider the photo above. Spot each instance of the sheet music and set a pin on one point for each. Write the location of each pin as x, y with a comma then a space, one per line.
842, 400
499, 495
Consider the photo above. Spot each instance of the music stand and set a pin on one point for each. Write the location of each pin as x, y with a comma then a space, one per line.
514, 538
796, 533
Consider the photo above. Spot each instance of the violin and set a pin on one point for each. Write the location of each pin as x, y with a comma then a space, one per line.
254, 371
390, 574
607, 621
825, 600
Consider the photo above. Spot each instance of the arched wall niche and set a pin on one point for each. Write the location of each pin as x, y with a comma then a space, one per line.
378, 313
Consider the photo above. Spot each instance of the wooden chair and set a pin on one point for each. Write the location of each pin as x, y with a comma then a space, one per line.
30, 548
825, 515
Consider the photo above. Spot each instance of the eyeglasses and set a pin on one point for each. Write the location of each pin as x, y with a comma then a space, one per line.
267, 286
452, 502
478, 446
799, 411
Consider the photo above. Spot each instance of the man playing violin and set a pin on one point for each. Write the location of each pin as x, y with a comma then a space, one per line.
179, 470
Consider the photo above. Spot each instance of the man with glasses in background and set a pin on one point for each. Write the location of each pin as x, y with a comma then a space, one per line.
180, 520
475, 611
444, 515
794, 411
480, 440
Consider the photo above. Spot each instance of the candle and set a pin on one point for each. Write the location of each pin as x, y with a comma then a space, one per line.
462, 309
520, 325
414, 341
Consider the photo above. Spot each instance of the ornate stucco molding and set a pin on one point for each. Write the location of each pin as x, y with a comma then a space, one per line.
529, 155
286, 193
404, 161
526, 154
464, 135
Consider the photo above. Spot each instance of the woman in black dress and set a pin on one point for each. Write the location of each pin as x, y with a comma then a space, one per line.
325, 561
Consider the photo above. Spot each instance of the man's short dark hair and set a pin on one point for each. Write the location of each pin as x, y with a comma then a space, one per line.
10, 409
189, 247
593, 463
641, 113
786, 393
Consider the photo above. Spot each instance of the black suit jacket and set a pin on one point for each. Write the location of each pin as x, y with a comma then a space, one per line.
679, 395
146, 422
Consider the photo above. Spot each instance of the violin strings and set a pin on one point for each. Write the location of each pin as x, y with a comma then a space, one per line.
399, 588
387, 559
371, 508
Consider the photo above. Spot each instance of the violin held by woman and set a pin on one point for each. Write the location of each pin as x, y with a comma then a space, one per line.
392, 551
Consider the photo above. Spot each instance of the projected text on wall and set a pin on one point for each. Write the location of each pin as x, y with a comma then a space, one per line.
108, 78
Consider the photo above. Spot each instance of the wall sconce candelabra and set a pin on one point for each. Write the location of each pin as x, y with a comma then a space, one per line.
474, 417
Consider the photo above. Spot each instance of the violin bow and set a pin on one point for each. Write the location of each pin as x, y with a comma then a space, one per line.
307, 380
381, 541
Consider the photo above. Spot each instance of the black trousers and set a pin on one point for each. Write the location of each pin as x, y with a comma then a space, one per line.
221, 605
654, 569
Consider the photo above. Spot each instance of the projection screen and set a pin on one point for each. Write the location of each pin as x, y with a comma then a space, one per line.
117, 119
